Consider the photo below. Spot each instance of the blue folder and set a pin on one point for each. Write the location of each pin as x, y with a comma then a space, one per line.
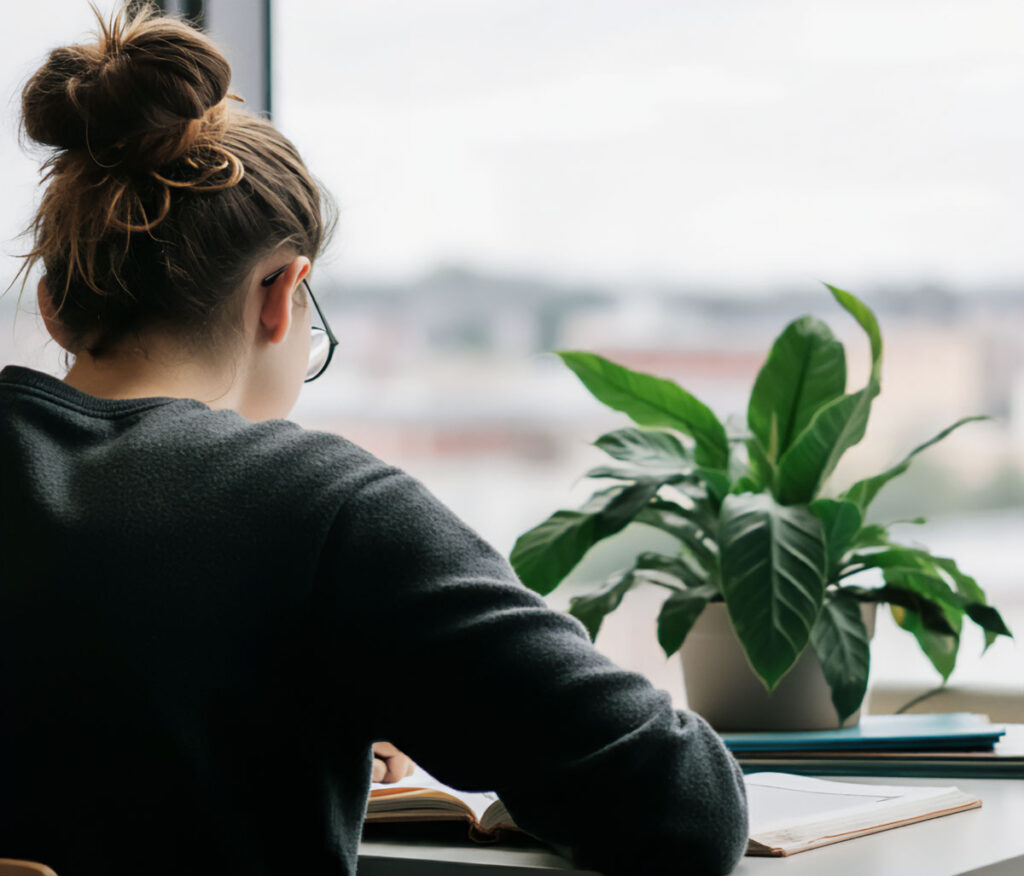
940, 732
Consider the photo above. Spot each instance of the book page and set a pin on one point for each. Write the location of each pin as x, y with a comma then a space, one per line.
777, 800
477, 801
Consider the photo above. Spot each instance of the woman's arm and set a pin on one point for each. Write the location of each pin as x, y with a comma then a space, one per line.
472, 675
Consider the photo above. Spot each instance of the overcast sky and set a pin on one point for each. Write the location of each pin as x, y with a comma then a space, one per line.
735, 142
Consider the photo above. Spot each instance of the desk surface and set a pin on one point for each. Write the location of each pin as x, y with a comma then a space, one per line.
987, 842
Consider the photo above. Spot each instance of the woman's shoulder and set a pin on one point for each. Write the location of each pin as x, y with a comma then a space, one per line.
283, 451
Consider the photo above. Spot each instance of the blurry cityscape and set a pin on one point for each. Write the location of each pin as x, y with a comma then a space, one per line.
459, 359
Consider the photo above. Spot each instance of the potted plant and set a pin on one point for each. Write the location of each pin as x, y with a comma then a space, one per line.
760, 540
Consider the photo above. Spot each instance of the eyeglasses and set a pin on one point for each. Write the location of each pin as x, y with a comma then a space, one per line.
322, 342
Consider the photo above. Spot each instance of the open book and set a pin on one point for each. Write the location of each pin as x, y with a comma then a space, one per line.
421, 797
788, 814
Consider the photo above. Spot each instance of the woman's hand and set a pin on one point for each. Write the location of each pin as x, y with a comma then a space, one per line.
389, 764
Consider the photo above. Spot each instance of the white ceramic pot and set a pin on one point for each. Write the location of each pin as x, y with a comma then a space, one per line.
721, 686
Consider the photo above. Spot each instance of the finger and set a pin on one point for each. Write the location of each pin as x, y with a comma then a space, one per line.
385, 749
380, 769
398, 767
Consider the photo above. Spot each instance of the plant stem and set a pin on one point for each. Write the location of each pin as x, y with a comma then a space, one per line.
919, 698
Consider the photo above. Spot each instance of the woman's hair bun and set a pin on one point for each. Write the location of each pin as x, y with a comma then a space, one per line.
158, 198
136, 98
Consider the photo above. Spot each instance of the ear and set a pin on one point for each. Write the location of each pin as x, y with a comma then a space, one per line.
276, 310
49, 314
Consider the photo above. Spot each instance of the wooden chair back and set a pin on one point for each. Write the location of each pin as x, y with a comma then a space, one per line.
10, 867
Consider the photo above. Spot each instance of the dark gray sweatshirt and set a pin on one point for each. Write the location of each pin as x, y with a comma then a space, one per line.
205, 622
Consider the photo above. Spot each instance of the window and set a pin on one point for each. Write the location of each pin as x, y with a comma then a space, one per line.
664, 183
31, 30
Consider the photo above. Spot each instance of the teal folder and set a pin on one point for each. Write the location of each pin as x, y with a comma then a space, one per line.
1004, 761
940, 732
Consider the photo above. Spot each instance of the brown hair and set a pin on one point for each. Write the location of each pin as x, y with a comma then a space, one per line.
159, 195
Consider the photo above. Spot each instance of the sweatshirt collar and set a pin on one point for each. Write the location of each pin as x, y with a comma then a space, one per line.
19, 376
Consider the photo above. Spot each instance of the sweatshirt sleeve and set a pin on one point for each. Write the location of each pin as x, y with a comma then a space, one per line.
471, 674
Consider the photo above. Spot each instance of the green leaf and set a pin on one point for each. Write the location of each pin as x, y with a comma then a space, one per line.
841, 521
930, 586
840, 640
678, 614
897, 556
805, 369
747, 484
990, 620
864, 315
672, 572
773, 578
760, 473
939, 648
650, 568
932, 615
965, 584
544, 555
937, 617
917, 570
920, 571
652, 401
870, 536
648, 454
592, 608
635, 473
670, 518
836, 426
986, 617
646, 448
670, 514
716, 483
813, 456
863, 492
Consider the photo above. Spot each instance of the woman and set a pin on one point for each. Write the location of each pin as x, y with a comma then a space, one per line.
208, 614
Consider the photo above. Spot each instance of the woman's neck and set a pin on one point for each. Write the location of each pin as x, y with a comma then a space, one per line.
121, 375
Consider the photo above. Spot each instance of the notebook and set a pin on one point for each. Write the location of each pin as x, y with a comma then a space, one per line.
1004, 761
791, 814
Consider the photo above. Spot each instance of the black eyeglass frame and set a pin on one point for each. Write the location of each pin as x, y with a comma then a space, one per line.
333, 341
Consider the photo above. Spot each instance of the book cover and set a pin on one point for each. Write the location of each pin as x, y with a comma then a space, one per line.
958, 730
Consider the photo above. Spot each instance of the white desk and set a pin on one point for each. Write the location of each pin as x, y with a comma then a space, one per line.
986, 842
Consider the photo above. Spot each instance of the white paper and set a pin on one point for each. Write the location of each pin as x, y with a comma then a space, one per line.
775, 800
